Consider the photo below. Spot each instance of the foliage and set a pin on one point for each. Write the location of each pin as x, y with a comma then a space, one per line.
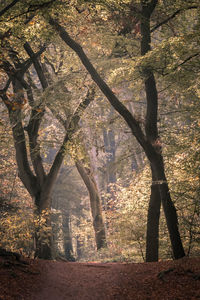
102, 28
16, 231
42, 227
184, 182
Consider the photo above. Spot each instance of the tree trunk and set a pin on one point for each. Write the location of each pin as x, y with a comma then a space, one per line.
160, 194
79, 246
95, 204
38, 183
43, 230
159, 190
109, 144
43, 248
68, 248
152, 237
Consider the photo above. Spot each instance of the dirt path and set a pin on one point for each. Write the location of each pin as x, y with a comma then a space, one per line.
54, 280
81, 281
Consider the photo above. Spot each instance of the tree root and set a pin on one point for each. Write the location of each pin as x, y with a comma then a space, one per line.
163, 273
13, 257
188, 272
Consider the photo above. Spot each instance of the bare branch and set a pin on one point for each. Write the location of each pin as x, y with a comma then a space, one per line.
32, 8
37, 65
3, 11
25, 173
172, 16
181, 64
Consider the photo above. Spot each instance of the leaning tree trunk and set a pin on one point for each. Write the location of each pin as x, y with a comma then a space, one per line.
161, 185
160, 194
95, 204
149, 140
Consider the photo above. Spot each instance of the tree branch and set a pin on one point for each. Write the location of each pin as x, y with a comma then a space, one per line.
31, 8
4, 10
18, 74
148, 8
70, 130
181, 64
172, 16
25, 173
35, 120
36, 116
37, 65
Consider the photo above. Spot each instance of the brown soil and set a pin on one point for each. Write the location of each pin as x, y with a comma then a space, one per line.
58, 280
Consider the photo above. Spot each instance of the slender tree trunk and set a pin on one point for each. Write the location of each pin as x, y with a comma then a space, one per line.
95, 204
79, 245
109, 144
152, 238
160, 194
68, 248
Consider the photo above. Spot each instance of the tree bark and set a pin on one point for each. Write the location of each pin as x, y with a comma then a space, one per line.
95, 204
43, 240
168, 207
152, 238
109, 145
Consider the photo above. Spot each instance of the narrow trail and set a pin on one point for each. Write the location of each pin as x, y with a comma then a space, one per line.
58, 280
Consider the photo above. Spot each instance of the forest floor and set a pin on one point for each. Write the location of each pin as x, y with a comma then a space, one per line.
59, 280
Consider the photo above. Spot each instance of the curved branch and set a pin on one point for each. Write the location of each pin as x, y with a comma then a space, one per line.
172, 16
181, 64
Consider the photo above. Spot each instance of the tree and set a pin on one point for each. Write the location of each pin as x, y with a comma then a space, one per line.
149, 141
86, 173
95, 204
40, 184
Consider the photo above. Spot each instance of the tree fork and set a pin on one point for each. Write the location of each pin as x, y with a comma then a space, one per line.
159, 190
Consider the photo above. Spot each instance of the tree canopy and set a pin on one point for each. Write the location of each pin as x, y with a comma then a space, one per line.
113, 85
